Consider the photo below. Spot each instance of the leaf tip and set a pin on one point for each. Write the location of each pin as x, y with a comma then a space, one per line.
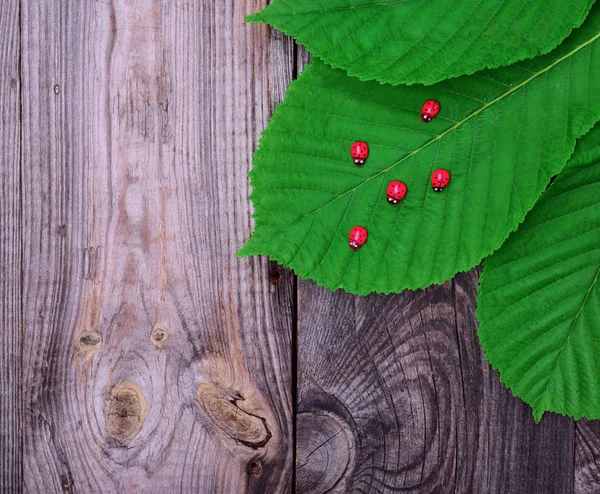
254, 18
243, 252
538, 413
251, 248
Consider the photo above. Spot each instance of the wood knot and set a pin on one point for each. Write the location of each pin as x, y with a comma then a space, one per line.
159, 336
89, 341
275, 275
66, 481
324, 454
233, 421
255, 467
125, 412
57, 89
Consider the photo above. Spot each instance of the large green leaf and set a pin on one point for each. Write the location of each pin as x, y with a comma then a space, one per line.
420, 41
539, 302
502, 134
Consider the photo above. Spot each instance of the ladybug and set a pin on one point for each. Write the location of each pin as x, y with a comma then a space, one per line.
396, 191
440, 179
429, 111
357, 238
360, 152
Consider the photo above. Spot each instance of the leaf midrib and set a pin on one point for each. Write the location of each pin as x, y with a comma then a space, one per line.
454, 127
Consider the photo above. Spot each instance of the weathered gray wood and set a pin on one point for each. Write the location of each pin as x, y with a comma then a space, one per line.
394, 395
154, 361
10, 248
587, 457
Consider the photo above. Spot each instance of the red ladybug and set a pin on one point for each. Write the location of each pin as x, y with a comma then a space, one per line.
357, 238
396, 191
360, 152
429, 111
439, 180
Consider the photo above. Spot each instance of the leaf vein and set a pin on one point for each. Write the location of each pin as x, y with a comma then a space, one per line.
539, 398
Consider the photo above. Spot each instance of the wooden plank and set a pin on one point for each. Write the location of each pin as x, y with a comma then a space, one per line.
10, 248
154, 361
394, 395
587, 457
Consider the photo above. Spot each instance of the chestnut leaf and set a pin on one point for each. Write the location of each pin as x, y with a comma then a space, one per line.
424, 41
502, 134
539, 302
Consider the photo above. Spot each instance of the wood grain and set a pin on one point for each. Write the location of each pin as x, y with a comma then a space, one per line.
10, 247
587, 457
395, 396
141, 356
154, 361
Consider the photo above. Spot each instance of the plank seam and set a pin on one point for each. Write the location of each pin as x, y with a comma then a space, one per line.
294, 342
21, 244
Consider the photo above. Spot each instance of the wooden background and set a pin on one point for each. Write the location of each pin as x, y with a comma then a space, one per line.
140, 355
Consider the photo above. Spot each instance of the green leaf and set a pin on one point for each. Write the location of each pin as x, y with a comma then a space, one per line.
418, 41
587, 150
502, 135
539, 302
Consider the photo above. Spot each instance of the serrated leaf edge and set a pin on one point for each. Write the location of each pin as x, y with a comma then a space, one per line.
537, 410
258, 17
245, 251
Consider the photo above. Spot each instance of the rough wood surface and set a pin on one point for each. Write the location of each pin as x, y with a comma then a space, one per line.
394, 396
587, 457
141, 356
10, 246
154, 361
